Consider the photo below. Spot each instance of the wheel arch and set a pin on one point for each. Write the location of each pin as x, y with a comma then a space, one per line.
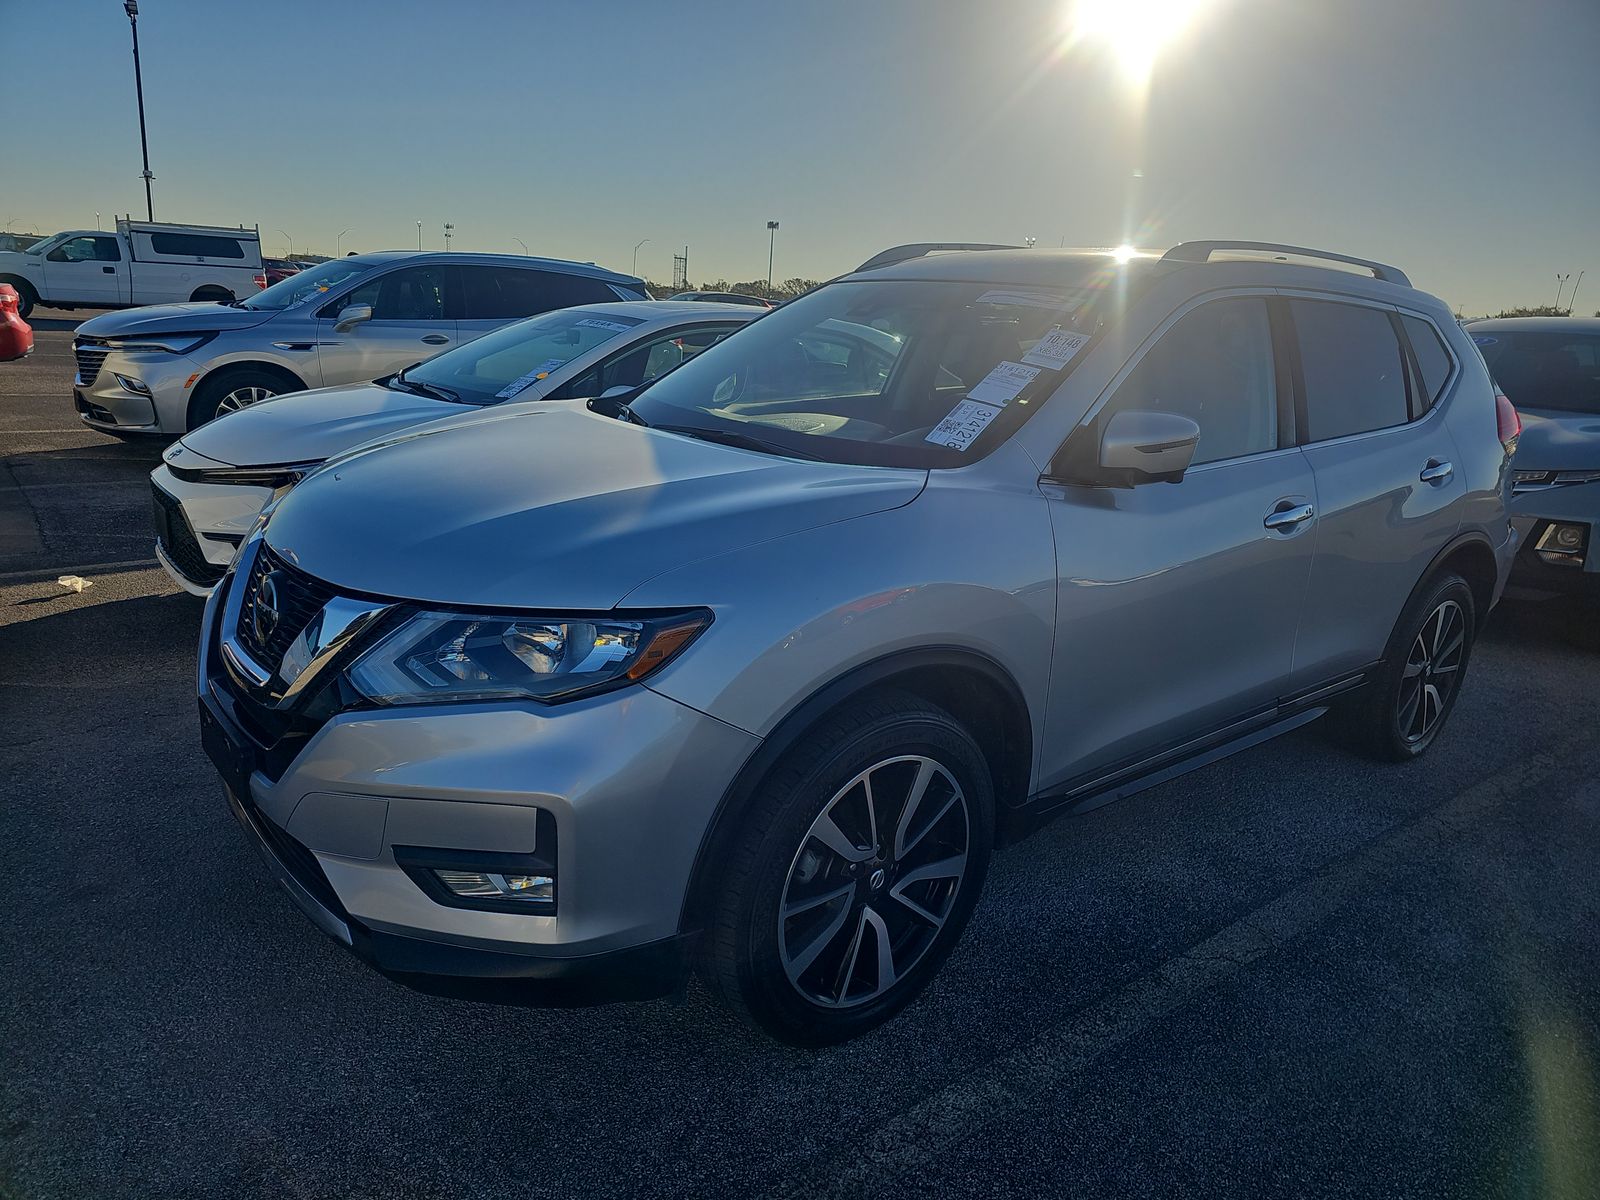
292, 382
971, 686
210, 291
1470, 556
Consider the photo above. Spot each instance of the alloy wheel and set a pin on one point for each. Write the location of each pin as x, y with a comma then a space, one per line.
243, 397
1432, 671
873, 882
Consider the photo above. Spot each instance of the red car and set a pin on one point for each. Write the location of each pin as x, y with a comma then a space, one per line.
16, 335
276, 270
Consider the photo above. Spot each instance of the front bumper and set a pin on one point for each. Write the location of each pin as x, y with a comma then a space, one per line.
1537, 568
630, 781
103, 403
199, 525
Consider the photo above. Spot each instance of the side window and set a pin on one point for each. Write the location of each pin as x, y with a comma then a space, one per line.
87, 249
1215, 366
409, 294
501, 293
1354, 368
195, 245
1433, 360
644, 362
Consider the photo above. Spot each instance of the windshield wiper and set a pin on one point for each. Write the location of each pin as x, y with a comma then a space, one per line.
732, 437
417, 387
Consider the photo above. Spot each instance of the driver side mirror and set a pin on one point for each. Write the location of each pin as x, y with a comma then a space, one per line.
1147, 447
350, 317
611, 393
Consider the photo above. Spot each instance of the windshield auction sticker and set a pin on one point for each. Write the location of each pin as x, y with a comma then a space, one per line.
526, 381
1000, 385
1053, 300
961, 428
597, 323
1056, 348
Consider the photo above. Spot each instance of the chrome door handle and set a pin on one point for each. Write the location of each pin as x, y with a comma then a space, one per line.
1289, 518
1437, 471
436, 339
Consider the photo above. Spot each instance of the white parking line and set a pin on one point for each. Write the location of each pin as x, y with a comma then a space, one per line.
963, 1110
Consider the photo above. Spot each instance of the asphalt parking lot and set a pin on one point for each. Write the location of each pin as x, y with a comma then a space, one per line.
1292, 973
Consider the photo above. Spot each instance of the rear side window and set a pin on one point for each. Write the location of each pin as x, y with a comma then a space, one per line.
501, 293
1433, 360
1551, 370
195, 245
1216, 367
1354, 369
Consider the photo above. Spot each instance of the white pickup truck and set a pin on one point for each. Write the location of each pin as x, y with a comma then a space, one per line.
141, 262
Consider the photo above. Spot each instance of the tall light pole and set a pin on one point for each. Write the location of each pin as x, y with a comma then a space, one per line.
337, 240
289, 253
641, 242
449, 230
419, 235
1561, 282
772, 239
97, 220
1029, 241
1572, 300
521, 243
131, 7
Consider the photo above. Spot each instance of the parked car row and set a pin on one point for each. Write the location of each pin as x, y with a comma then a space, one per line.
616, 641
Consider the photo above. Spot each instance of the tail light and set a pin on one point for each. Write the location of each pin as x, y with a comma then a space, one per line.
261, 281
1510, 424
8, 297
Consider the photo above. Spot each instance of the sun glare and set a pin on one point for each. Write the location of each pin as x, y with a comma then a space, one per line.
1134, 31
1124, 253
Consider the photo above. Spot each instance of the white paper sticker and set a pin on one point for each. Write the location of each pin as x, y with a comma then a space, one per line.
528, 380
597, 323
1001, 384
1053, 300
961, 428
1056, 348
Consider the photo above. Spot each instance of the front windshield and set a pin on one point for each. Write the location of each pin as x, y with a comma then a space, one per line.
44, 244
502, 364
892, 373
1558, 372
307, 285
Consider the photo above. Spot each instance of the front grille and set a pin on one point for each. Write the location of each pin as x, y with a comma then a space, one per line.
90, 354
176, 537
297, 597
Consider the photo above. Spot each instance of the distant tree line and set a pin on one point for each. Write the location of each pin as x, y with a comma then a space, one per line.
1538, 310
787, 290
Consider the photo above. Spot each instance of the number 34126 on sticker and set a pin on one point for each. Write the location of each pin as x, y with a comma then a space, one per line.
961, 428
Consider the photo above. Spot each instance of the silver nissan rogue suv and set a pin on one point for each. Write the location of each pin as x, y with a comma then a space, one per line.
755, 665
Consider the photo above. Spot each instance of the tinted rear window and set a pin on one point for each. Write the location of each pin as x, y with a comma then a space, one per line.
1355, 371
491, 293
195, 245
1432, 358
1559, 371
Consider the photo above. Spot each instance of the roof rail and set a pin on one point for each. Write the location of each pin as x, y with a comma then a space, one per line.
1199, 252
896, 254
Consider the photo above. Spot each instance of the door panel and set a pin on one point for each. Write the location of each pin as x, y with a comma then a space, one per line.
1177, 608
87, 270
1388, 490
408, 325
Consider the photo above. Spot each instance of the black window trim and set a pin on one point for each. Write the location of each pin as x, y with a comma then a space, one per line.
1393, 313
1451, 376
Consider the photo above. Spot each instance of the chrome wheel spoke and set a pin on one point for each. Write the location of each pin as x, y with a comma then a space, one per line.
1408, 710
799, 963
897, 893
848, 971
791, 911
827, 831
880, 932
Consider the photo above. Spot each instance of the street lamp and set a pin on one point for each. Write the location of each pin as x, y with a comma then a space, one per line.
772, 238
1561, 282
641, 242
1029, 241
290, 252
131, 7
419, 235
448, 230
97, 220
521, 243
337, 240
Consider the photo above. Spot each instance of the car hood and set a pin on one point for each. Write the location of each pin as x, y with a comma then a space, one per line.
173, 318
1558, 441
551, 506
308, 427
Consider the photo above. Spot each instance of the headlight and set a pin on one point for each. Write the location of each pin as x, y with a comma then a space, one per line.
171, 343
440, 656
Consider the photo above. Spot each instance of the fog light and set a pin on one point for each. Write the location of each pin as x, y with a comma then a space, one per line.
1562, 543
132, 385
488, 885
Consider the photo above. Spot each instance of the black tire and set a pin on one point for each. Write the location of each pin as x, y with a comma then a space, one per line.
211, 398
743, 959
1388, 718
220, 295
27, 298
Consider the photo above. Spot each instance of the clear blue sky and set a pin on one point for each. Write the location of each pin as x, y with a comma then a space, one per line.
1457, 138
